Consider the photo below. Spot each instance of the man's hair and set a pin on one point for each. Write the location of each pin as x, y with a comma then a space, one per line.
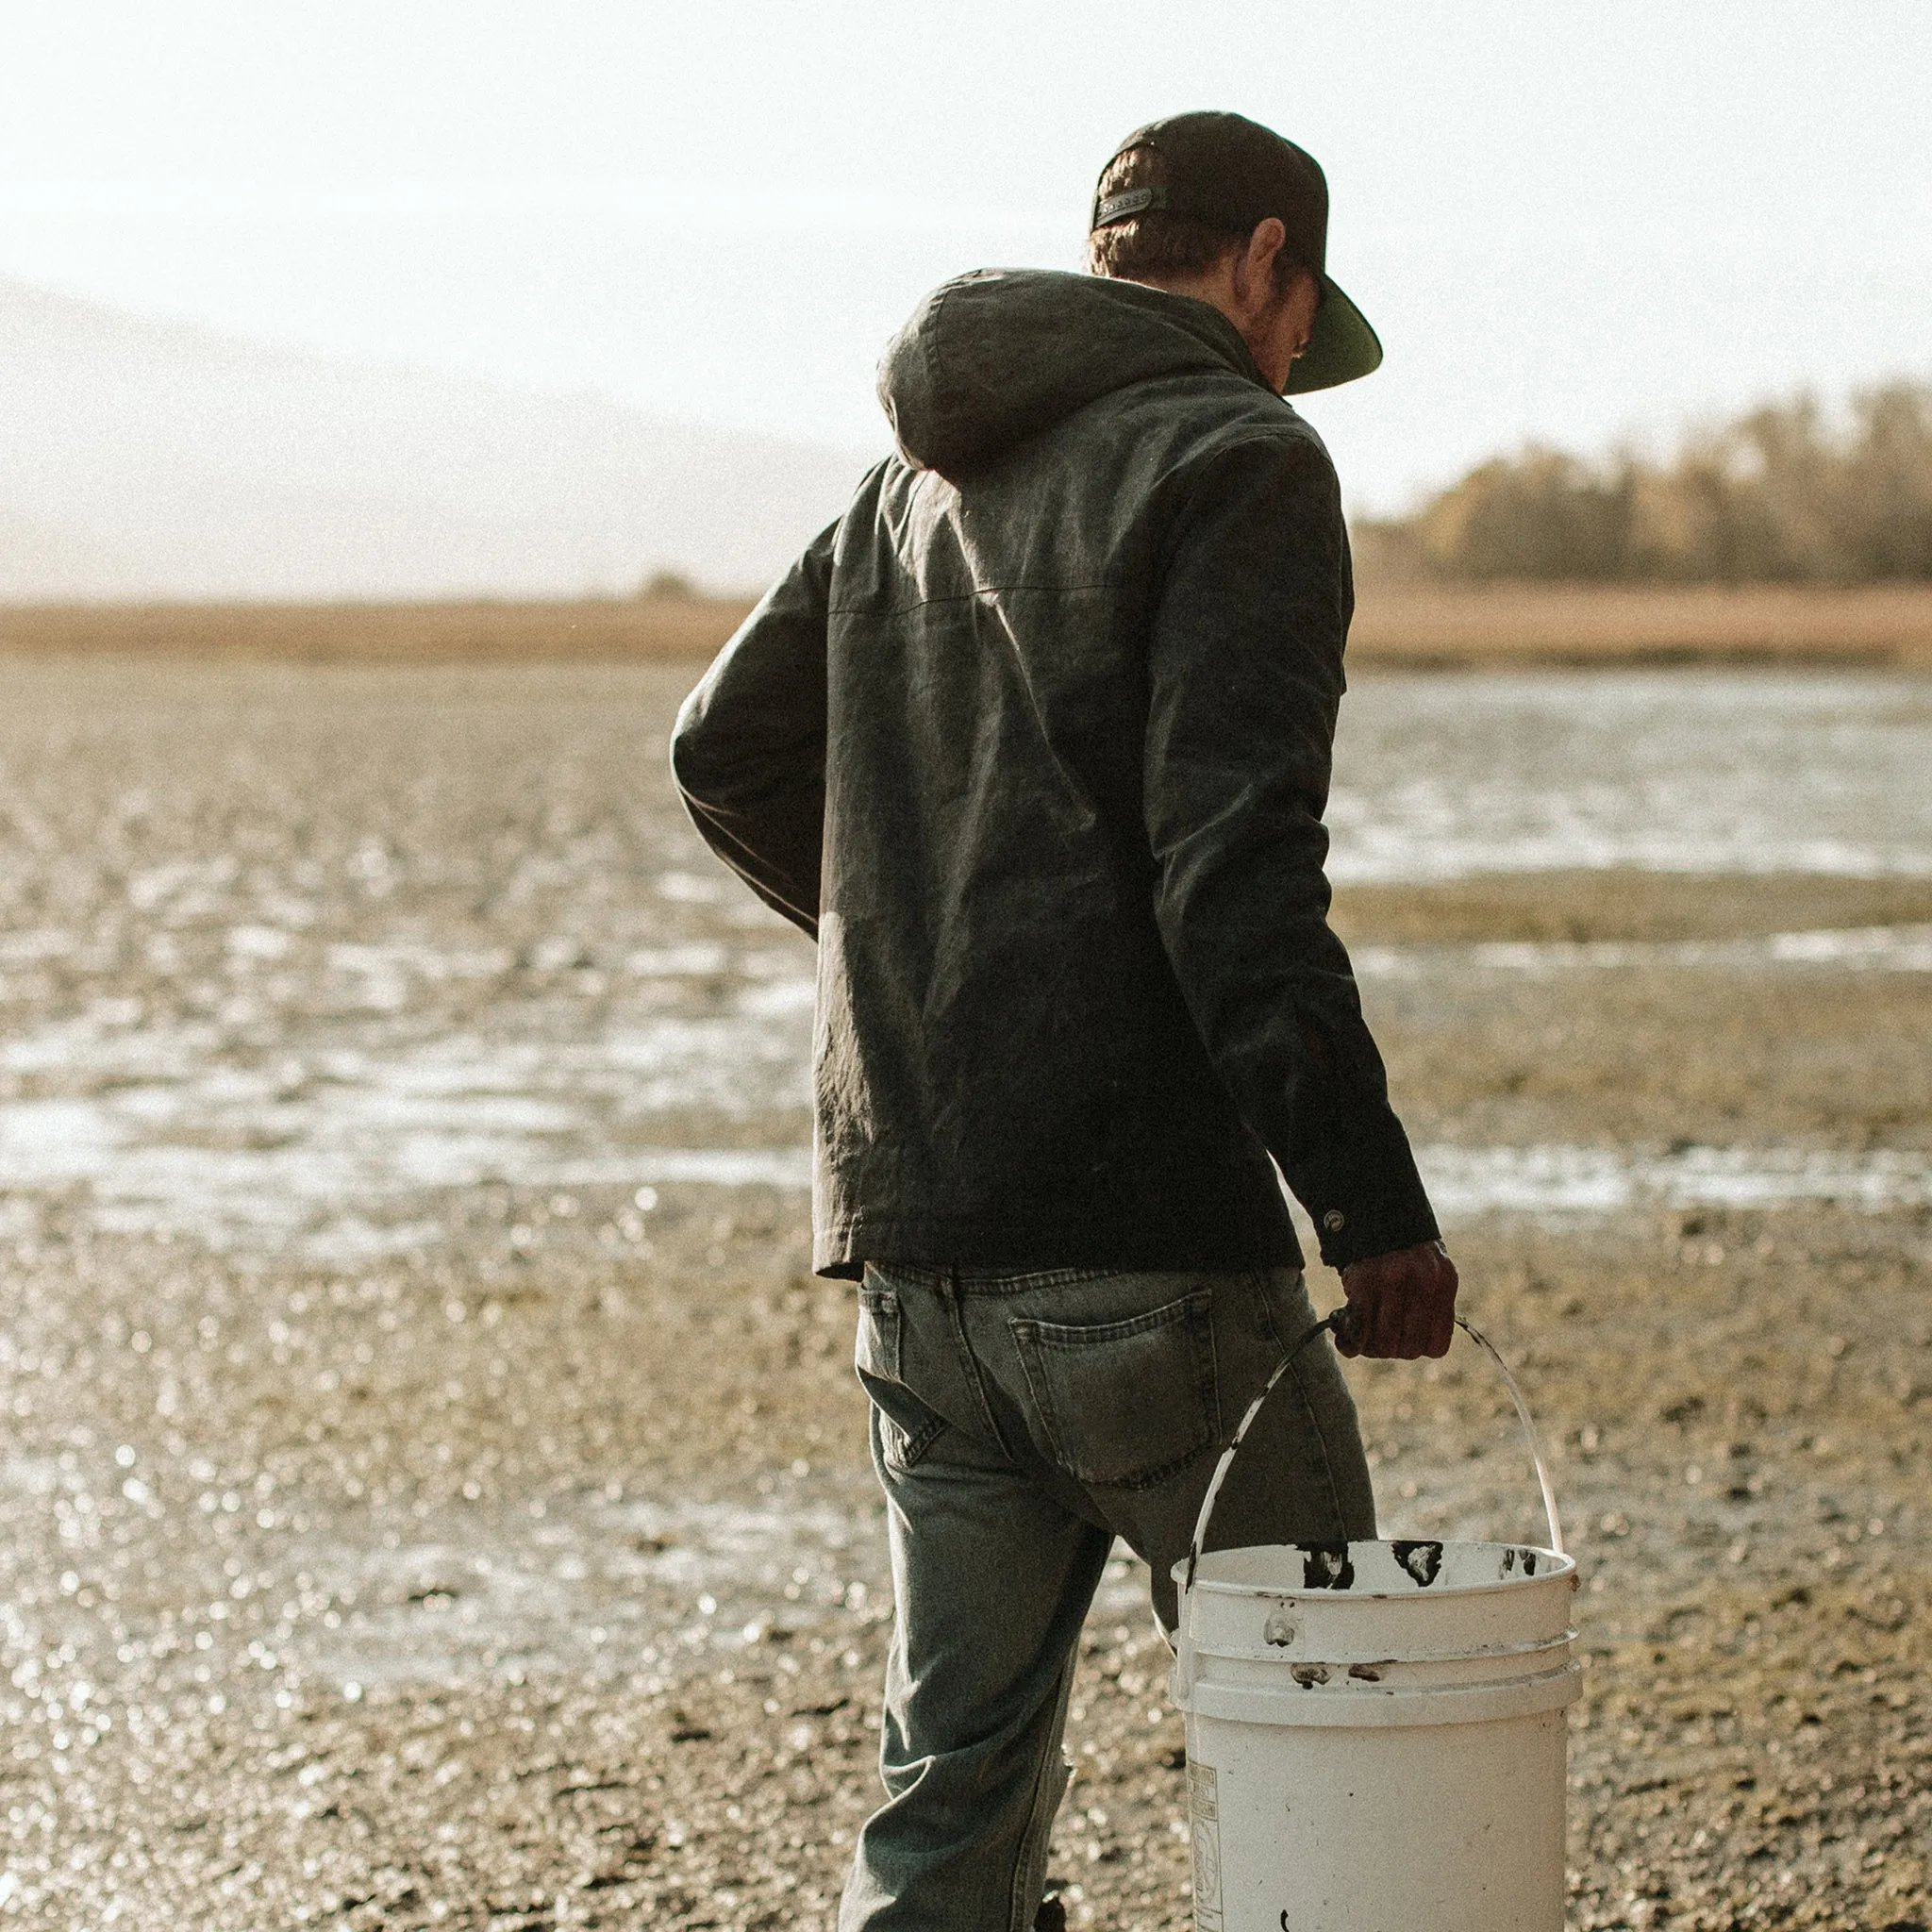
1160, 245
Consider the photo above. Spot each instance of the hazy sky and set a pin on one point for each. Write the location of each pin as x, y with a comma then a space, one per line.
1571, 221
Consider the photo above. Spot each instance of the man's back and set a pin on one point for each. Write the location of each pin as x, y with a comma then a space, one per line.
1035, 740
1066, 673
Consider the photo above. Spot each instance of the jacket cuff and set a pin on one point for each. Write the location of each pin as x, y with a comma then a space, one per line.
1375, 1206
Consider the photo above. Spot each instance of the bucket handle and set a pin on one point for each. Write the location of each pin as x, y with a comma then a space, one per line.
1336, 1321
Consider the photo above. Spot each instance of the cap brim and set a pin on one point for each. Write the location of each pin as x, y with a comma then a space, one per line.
1343, 347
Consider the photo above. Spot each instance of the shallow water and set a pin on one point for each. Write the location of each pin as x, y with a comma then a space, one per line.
1468, 1182
609, 1587
600, 1585
344, 1134
1858, 949
368, 1167
359, 1176
1448, 775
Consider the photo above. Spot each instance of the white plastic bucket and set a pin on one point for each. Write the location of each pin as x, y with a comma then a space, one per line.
1376, 1731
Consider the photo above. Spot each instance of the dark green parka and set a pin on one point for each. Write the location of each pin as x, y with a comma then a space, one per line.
1036, 741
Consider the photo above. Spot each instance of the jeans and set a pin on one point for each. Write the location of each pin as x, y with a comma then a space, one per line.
1021, 1421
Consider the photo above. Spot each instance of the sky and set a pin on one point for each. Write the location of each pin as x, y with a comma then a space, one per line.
1582, 224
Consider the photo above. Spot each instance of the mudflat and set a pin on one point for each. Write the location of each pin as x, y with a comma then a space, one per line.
436, 1484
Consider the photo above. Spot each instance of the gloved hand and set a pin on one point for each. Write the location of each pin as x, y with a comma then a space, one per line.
1400, 1306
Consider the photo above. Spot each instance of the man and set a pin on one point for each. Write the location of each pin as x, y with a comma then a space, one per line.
1036, 741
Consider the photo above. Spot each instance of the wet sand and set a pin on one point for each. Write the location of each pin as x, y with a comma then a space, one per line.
431, 1505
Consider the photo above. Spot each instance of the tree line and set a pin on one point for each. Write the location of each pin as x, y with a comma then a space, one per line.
1783, 494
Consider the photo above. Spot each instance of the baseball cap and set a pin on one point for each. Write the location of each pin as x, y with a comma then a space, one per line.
1233, 174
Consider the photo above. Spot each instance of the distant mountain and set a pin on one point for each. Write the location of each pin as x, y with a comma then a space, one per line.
146, 458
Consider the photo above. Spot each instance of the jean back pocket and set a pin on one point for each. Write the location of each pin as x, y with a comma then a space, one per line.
1124, 1404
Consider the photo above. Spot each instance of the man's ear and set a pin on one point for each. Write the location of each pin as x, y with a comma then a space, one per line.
1254, 269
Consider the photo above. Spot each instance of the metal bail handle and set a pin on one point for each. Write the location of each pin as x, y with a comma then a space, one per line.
1332, 1322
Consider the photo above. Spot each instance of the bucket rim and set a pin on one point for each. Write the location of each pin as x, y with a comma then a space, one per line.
1561, 1564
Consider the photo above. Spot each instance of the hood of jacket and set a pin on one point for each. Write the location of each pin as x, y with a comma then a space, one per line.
1000, 355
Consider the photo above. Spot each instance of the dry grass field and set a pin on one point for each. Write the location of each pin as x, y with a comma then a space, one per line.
1593, 623
590, 630
1397, 625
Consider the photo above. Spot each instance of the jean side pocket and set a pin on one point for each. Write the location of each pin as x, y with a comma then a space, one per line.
908, 1429
1285, 1309
1125, 1404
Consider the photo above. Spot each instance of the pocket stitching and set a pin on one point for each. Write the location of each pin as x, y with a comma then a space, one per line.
917, 1446
1039, 1278
1064, 1335
881, 1308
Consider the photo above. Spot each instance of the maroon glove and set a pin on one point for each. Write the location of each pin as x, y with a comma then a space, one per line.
1401, 1305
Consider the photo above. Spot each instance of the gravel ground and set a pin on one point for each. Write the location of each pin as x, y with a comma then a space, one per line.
479, 1550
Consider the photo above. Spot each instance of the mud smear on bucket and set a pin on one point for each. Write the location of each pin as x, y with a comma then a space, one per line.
1326, 1566
1423, 1560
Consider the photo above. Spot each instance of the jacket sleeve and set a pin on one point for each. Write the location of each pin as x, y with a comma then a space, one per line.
1245, 681
748, 751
